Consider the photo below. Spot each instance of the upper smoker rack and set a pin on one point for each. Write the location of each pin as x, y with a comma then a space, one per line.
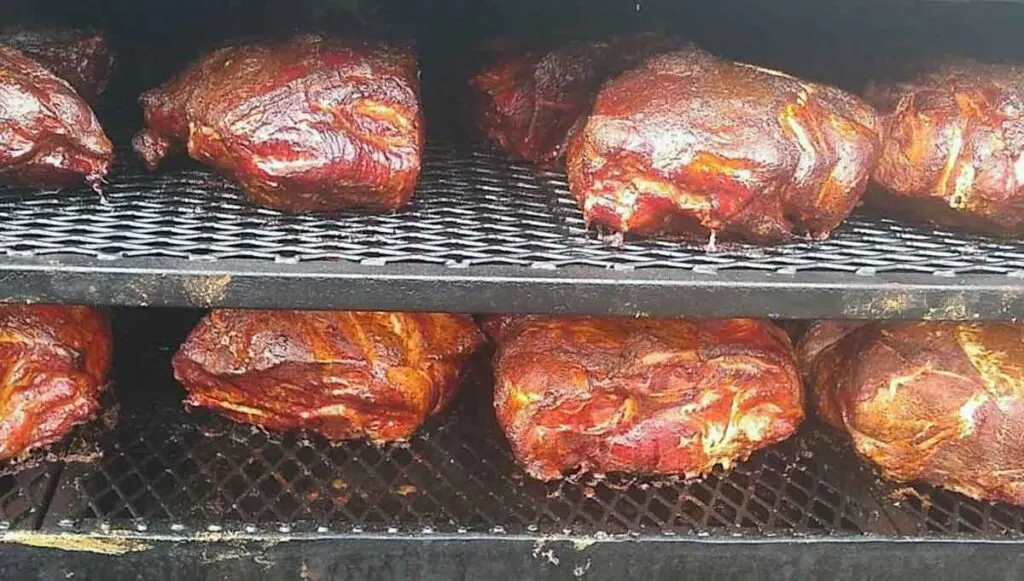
482, 235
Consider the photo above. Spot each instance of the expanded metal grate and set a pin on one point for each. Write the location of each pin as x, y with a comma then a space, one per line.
456, 475
942, 511
472, 208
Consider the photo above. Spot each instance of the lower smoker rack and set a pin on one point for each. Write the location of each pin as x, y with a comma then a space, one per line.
150, 483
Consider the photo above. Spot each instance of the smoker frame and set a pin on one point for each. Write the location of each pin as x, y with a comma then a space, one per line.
916, 531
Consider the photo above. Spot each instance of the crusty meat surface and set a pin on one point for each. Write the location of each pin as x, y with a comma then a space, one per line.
933, 402
81, 58
49, 136
306, 124
55, 364
954, 148
691, 145
647, 396
528, 98
346, 375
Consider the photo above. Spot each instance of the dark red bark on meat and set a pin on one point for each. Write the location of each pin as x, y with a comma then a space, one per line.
649, 396
49, 136
528, 99
55, 360
689, 144
80, 58
306, 124
954, 147
345, 375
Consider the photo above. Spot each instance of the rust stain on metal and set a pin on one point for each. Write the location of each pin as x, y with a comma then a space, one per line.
22, 299
137, 291
207, 290
583, 544
75, 542
887, 305
952, 308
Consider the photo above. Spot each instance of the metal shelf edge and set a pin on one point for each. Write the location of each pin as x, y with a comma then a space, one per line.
491, 289
41, 556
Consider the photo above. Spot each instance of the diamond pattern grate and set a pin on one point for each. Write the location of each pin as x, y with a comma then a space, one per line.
457, 475
24, 494
949, 513
472, 209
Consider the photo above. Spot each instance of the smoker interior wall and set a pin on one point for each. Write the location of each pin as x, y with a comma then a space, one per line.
836, 40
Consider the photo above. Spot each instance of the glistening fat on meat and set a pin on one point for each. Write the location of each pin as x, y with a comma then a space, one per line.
691, 145
647, 396
346, 375
309, 124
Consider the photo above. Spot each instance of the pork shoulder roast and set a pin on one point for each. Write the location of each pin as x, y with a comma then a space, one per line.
954, 147
691, 145
936, 402
346, 375
647, 396
82, 58
49, 136
528, 97
304, 124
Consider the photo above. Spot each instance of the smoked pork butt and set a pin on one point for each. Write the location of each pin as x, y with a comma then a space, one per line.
953, 153
55, 361
49, 136
346, 375
691, 145
932, 402
308, 124
82, 58
645, 396
528, 96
